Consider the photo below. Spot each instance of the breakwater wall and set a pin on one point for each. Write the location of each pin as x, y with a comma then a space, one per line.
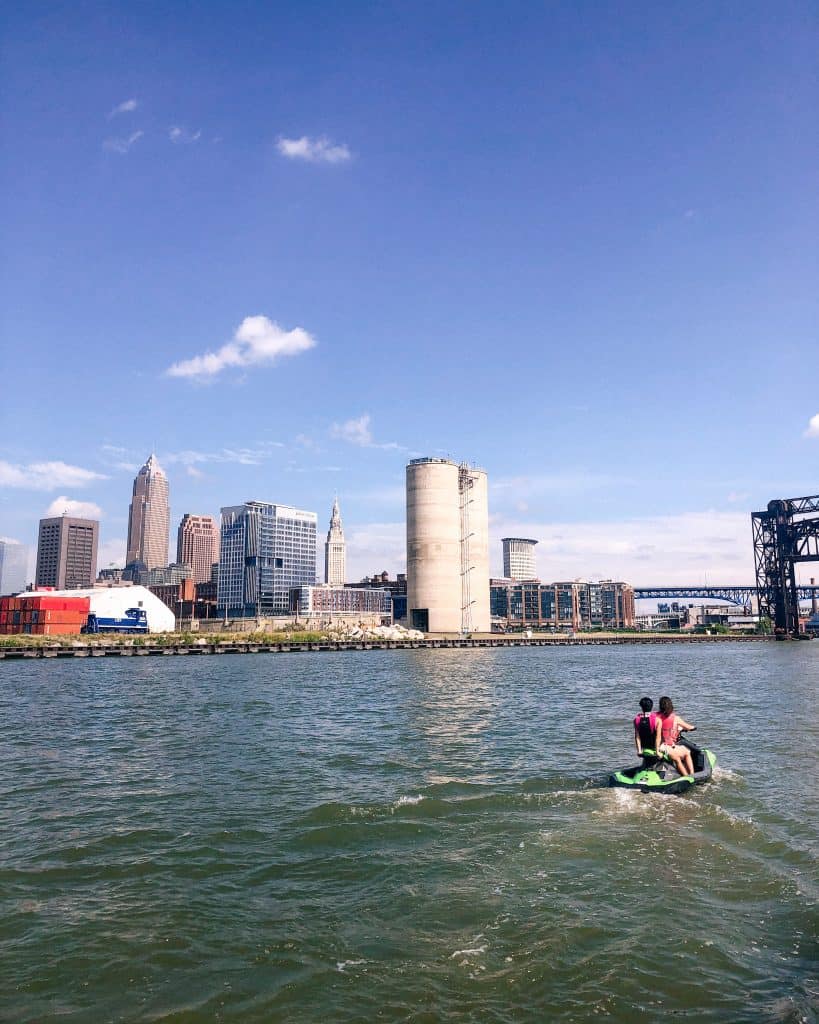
148, 649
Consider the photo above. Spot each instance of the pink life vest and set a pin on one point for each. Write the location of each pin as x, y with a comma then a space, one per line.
671, 731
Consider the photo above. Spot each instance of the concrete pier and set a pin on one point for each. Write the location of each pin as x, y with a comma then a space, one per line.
149, 649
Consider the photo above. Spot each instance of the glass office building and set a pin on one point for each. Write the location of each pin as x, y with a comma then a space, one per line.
13, 567
265, 550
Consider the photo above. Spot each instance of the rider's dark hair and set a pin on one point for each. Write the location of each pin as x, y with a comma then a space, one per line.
666, 707
646, 703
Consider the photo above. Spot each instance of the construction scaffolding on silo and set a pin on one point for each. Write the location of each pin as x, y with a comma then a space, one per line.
447, 547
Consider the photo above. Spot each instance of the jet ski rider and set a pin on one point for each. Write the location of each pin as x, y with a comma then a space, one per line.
669, 727
645, 726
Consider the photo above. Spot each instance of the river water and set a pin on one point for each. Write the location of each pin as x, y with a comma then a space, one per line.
406, 836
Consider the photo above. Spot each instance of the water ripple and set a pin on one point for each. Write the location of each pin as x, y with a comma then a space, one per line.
413, 836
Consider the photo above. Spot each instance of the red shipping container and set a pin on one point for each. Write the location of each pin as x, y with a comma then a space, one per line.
58, 603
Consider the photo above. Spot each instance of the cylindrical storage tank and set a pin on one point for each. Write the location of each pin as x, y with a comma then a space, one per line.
433, 546
477, 551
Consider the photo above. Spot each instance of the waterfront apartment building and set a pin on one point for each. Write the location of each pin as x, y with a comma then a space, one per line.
265, 551
397, 589
149, 517
572, 606
335, 550
519, 558
331, 603
13, 567
447, 547
197, 545
67, 552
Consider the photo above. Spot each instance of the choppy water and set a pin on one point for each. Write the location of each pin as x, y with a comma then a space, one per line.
419, 836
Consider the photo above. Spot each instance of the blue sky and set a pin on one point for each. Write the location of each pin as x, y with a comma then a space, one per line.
575, 244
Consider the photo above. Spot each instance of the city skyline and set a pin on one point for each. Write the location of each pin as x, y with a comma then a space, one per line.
389, 255
567, 544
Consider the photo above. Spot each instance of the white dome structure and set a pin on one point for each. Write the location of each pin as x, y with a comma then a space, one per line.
113, 602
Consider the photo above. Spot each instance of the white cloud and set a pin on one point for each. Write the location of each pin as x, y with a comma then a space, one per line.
243, 456
46, 476
197, 474
568, 483
375, 547
117, 457
123, 458
314, 151
256, 341
293, 467
181, 136
681, 549
357, 431
126, 107
111, 552
122, 145
70, 507
813, 426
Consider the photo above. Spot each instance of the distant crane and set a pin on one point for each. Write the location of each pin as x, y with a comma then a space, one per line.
787, 532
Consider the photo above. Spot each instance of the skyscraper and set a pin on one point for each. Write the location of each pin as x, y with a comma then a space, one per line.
335, 550
149, 517
265, 550
13, 567
447, 547
197, 545
67, 553
519, 558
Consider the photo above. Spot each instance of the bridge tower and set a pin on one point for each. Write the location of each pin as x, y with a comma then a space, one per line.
786, 533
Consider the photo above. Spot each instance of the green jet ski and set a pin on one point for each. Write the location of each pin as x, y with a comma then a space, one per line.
656, 774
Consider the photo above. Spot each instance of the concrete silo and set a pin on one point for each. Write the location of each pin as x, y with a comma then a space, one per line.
474, 499
447, 547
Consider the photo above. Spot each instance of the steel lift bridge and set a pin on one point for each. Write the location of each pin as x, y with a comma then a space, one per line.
786, 533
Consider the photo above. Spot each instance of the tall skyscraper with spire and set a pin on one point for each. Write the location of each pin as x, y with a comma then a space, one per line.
335, 550
149, 517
